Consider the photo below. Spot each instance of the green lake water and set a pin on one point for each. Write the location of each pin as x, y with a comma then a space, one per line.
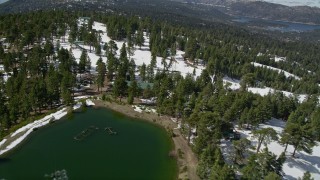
139, 150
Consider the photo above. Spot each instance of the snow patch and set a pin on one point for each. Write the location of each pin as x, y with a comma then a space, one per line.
293, 167
89, 102
233, 84
265, 91
287, 74
137, 109
279, 58
27, 129
2, 142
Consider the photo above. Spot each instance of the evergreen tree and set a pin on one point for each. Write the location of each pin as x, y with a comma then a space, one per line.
261, 165
83, 61
220, 170
299, 127
143, 72
120, 87
101, 69
264, 135
306, 176
111, 66
240, 149
124, 62
272, 176
139, 38
206, 161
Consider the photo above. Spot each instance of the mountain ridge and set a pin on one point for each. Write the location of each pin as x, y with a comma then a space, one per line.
212, 10
264, 10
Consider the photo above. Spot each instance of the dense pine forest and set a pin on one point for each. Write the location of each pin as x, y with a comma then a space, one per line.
39, 75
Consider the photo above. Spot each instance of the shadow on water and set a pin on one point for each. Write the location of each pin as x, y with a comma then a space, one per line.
4, 160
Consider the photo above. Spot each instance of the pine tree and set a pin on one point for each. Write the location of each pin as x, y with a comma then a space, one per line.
206, 161
124, 62
272, 176
139, 38
306, 176
262, 164
120, 87
143, 72
299, 127
101, 69
240, 149
315, 122
264, 135
111, 66
83, 61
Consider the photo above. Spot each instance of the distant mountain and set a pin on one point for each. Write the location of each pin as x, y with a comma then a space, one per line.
178, 10
159, 9
264, 10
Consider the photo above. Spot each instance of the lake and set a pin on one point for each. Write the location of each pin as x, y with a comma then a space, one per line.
139, 150
282, 26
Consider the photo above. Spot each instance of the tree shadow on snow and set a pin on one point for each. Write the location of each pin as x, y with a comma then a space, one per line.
289, 177
276, 123
305, 162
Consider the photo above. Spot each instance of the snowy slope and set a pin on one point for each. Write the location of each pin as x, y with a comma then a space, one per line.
265, 91
287, 74
293, 167
279, 58
140, 56
234, 84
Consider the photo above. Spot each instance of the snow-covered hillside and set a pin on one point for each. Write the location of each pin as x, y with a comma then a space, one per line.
140, 56
265, 91
234, 84
293, 167
287, 74
143, 55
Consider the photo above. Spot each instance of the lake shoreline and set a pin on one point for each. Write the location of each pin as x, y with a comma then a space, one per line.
188, 161
14, 139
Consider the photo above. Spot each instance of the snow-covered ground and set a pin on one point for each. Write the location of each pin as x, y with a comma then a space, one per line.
89, 102
279, 58
287, 74
312, 3
142, 108
293, 167
140, 55
265, 91
234, 84
143, 54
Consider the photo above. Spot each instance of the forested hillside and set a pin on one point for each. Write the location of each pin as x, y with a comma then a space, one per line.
228, 72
